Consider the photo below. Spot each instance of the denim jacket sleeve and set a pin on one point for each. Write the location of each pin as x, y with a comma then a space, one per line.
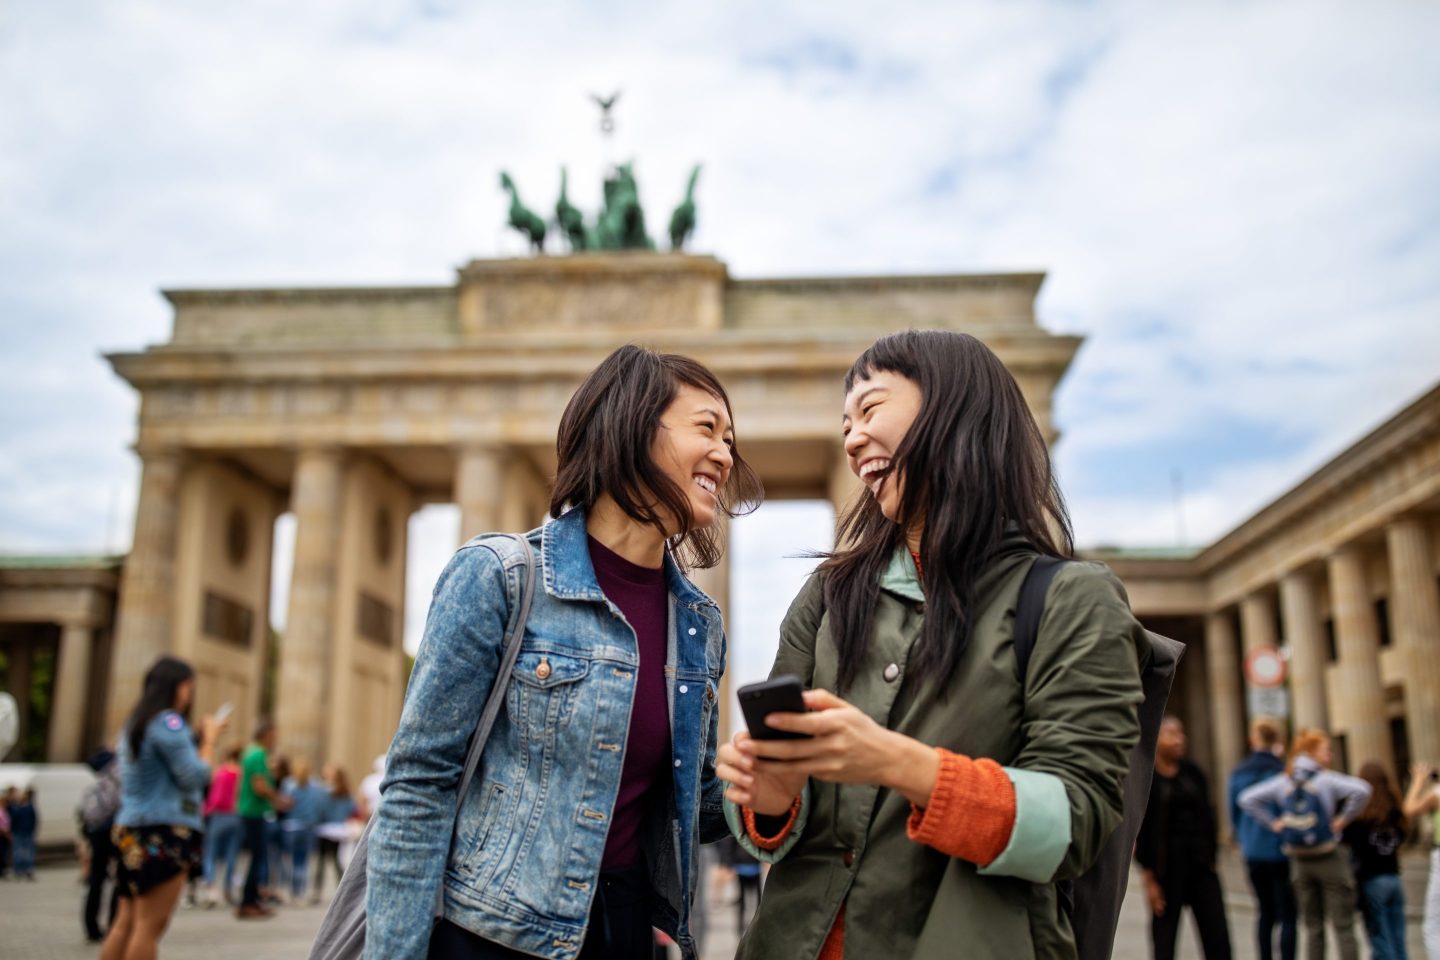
175, 746
454, 670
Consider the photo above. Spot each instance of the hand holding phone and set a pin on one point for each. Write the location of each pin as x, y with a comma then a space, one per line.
782, 694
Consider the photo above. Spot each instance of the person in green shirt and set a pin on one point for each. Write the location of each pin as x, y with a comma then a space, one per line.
258, 795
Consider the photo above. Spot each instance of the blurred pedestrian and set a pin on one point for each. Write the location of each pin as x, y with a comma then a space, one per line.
1422, 798
746, 870
1176, 851
158, 828
307, 797
98, 806
1374, 839
223, 832
6, 798
1265, 862
334, 826
257, 798
1309, 806
24, 823
275, 874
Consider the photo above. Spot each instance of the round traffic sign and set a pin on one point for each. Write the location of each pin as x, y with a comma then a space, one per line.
1265, 667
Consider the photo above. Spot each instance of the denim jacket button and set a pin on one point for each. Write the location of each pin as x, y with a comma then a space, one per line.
677, 763
692, 631
684, 688
543, 670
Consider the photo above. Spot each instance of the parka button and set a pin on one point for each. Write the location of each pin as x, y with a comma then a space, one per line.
849, 858
891, 672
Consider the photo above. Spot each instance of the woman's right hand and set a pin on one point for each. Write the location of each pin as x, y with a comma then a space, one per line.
762, 785
210, 728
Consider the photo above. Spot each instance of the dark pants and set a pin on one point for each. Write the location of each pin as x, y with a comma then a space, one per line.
749, 884
1198, 889
102, 851
255, 843
326, 849
1271, 882
619, 927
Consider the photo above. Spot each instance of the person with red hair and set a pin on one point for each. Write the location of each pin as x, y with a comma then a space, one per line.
1309, 806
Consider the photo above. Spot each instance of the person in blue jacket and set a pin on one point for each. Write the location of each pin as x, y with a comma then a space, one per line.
1266, 863
157, 833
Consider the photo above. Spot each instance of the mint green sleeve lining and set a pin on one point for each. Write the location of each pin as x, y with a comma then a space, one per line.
737, 827
1041, 834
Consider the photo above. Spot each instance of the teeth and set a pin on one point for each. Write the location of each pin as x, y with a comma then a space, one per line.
705, 483
873, 467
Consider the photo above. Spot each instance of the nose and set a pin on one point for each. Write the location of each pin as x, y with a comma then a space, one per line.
855, 441
721, 454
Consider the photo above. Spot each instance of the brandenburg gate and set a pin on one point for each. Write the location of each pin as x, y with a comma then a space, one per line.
354, 407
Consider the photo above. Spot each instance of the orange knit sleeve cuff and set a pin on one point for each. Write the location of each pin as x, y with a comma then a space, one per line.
776, 840
971, 810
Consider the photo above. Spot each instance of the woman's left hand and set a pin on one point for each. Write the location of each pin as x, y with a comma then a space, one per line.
846, 746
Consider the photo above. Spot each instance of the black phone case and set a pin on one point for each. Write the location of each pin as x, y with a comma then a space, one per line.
782, 694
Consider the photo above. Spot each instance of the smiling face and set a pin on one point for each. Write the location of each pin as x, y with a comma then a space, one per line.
878, 413
693, 449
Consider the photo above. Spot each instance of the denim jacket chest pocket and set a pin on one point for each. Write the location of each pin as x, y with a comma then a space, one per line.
544, 690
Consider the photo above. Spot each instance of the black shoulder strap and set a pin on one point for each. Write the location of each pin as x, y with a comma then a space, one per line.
1031, 607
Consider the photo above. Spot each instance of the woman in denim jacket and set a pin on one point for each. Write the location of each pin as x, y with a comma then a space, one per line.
157, 832
597, 783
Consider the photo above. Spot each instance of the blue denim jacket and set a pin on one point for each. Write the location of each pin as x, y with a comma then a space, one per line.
522, 865
163, 786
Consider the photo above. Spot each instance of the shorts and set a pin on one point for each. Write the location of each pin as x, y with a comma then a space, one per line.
149, 856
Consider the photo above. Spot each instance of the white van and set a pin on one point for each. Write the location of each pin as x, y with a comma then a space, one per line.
58, 788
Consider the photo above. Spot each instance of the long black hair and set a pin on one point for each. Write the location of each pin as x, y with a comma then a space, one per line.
975, 468
603, 446
159, 694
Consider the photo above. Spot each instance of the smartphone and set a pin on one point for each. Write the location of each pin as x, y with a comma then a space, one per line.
224, 712
782, 694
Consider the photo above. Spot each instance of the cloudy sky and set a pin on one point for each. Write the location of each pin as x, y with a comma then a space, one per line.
1237, 204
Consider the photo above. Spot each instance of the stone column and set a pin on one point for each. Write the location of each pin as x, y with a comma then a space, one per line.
305, 650
145, 618
479, 490
1305, 638
1257, 629
67, 710
1359, 694
1227, 708
1415, 606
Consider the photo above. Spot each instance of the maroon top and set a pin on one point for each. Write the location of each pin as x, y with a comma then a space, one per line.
640, 594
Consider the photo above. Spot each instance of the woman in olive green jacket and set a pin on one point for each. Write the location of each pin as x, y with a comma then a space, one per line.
940, 796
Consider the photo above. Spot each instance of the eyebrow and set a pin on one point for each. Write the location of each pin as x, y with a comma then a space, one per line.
719, 417
860, 400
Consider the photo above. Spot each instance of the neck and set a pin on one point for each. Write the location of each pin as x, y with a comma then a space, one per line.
639, 543
1167, 766
913, 538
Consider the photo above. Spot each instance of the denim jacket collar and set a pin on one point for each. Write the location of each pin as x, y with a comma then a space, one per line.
570, 574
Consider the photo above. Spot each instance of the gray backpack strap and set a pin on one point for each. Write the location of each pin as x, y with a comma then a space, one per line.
511, 647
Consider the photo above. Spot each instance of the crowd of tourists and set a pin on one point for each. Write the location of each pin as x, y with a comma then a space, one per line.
166, 820
1320, 849
948, 774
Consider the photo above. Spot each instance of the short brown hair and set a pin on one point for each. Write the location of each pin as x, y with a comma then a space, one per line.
1268, 731
603, 446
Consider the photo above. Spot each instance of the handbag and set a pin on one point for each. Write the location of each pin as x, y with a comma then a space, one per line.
342, 931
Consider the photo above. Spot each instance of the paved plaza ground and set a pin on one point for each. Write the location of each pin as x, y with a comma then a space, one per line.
41, 921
